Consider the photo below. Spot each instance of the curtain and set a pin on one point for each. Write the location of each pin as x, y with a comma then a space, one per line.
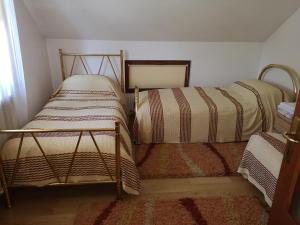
13, 105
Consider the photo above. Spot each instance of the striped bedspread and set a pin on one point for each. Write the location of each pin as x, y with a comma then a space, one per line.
74, 108
261, 162
196, 114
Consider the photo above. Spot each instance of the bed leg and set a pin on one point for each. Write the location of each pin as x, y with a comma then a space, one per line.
4, 186
118, 160
136, 99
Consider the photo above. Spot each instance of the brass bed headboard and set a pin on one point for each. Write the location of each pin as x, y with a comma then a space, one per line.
289, 71
102, 57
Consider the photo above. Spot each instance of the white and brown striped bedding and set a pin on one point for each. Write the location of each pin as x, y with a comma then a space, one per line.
85, 102
261, 162
196, 114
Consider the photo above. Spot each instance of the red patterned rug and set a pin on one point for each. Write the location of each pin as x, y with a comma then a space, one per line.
188, 160
244, 210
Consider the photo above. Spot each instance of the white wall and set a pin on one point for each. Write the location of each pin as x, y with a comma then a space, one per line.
213, 64
283, 46
35, 60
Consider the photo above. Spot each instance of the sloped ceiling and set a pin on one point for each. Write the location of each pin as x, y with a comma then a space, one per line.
161, 20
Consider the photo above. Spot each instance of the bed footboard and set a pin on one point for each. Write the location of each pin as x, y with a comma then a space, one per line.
114, 178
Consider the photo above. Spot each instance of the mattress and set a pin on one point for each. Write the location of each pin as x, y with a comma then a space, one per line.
261, 162
197, 114
82, 102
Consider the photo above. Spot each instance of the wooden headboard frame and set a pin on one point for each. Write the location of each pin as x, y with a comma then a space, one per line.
148, 64
289, 71
81, 57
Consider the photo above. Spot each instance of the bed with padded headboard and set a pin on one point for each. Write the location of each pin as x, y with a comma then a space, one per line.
80, 136
179, 114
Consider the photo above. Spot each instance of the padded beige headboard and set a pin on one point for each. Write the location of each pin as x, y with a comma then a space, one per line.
152, 74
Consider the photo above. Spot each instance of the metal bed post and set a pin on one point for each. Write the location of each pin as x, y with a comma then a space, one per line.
136, 99
118, 160
62, 66
122, 72
4, 185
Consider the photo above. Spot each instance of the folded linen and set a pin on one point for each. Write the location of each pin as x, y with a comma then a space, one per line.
287, 106
285, 114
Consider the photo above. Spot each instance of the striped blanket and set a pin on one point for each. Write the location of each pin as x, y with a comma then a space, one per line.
261, 162
81, 103
196, 114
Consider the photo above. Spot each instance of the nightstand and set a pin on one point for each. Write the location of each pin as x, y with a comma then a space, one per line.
282, 123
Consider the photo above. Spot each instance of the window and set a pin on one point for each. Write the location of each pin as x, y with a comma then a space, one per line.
13, 100
6, 79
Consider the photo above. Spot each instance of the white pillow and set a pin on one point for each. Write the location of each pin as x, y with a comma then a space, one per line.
92, 83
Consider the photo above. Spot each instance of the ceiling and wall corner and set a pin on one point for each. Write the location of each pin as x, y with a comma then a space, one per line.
35, 60
283, 47
224, 39
161, 20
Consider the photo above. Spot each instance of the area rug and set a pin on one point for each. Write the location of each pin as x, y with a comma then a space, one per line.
188, 160
226, 210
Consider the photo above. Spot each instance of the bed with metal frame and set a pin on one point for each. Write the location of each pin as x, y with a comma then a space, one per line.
201, 114
114, 177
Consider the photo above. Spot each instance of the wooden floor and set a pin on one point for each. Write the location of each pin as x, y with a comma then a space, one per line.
58, 205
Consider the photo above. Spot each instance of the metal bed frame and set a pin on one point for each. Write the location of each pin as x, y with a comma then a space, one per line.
114, 178
293, 75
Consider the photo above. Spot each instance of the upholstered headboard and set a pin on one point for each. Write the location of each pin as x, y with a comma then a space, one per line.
151, 74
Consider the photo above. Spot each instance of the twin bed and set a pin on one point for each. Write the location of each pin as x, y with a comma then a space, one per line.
82, 136
202, 114
242, 110
197, 114
261, 162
